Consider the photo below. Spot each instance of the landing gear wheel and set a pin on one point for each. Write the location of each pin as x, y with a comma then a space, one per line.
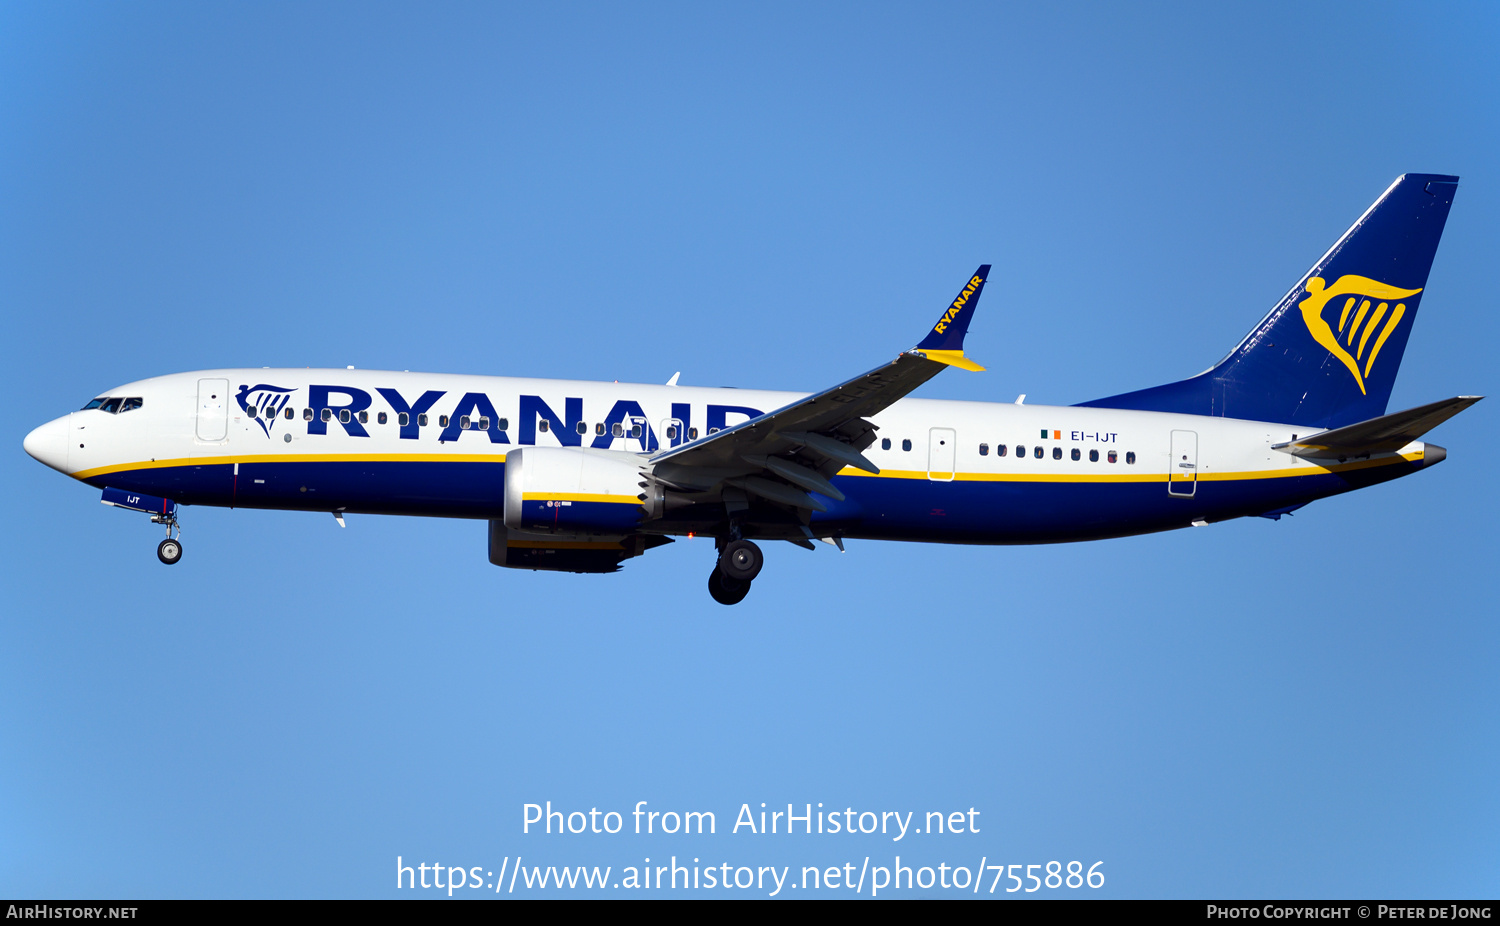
741, 561
726, 590
169, 551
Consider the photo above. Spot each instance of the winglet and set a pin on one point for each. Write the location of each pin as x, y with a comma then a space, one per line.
945, 342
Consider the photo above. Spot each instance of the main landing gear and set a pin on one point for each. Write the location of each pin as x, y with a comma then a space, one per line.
739, 564
169, 551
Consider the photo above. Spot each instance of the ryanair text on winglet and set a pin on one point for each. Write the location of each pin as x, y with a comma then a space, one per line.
957, 305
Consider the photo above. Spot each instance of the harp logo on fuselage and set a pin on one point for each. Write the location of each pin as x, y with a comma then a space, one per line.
263, 403
1361, 333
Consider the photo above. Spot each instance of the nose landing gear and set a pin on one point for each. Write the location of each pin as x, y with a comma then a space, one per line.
162, 510
169, 551
739, 564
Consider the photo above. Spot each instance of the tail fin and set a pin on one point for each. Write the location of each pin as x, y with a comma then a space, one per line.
1327, 355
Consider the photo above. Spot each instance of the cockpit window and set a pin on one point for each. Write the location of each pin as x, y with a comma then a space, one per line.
115, 404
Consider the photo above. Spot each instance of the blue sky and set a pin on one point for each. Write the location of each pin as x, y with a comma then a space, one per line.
774, 196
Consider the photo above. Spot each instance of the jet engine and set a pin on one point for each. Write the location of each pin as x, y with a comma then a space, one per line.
570, 490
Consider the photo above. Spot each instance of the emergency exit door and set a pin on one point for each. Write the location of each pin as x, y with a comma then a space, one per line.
942, 450
1182, 477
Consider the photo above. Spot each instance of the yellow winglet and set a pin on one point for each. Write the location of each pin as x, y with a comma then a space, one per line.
953, 358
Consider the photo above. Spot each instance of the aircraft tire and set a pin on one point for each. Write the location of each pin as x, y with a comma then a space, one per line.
725, 590
741, 561
169, 551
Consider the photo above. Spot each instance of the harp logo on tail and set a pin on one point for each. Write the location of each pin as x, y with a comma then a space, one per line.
263, 403
1361, 332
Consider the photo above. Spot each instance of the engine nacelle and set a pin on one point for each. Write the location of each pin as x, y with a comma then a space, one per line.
577, 490
565, 552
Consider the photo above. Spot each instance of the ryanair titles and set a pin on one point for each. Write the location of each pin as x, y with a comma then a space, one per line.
357, 411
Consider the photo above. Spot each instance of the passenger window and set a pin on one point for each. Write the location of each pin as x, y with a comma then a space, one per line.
343, 416
1130, 457
1020, 451
364, 417
1114, 457
583, 428
133, 403
999, 450
251, 411
713, 430
1057, 453
403, 419
692, 433
464, 422
671, 432
380, 419
289, 415
307, 414
906, 445
484, 423
599, 429
111, 405
1093, 456
635, 430
1077, 455
617, 430
543, 425
505, 424
1037, 452
422, 420
984, 450
327, 415
94, 404
885, 443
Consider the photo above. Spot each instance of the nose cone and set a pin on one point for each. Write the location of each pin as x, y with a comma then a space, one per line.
49, 444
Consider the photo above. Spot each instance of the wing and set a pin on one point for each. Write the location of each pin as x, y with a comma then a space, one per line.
785, 454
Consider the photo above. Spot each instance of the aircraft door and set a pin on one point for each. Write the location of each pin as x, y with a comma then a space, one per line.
672, 432
638, 434
213, 409
942, 450
1182, 472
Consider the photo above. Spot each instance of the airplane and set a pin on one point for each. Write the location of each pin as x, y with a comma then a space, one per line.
581, 476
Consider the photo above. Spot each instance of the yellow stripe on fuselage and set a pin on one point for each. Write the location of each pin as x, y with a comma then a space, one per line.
295, 458
1281, 473
579, 497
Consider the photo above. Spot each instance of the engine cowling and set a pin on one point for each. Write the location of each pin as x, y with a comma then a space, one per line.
577, 490
557, 552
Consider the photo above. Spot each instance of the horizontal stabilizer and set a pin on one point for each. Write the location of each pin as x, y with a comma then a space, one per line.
1385, 434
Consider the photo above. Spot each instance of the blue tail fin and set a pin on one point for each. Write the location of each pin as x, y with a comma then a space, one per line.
1327, 355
